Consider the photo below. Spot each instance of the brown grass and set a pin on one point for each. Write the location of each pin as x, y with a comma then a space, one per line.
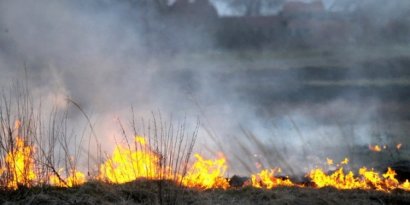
145, 192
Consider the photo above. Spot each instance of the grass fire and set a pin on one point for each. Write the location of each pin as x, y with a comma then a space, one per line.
127, 165
142, 161
200, 102
160, 156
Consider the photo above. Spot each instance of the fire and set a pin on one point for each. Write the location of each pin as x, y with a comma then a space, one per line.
405, 186
338, 179
17, 124
398, 146
345, 161
329, 161
375, 148
140, 140
126, 165
367, 179
21, 169
20, 165
207, 174
266, 179
75, 178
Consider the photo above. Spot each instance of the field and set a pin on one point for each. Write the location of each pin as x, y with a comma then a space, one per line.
341, 99
204, 102
145, 192
313, 84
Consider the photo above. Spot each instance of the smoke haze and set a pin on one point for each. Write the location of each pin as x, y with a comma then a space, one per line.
110, 55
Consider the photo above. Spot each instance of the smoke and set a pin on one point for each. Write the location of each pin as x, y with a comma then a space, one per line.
98, 53
111, 55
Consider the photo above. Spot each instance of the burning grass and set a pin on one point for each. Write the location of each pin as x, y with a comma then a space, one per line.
156, 167
145, 192
142, 162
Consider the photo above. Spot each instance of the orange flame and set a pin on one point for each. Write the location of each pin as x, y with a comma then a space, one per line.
207, 174
140, 140
345, 161
126, 165
266, 179
75, 178
17, 124
398, 146
375, 148
21, 168
368, 179
329, 161
20, 165
405, 186
338, 179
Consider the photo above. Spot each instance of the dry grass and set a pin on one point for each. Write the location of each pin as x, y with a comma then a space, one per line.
172, 143
145, 192
55, 148
22, 118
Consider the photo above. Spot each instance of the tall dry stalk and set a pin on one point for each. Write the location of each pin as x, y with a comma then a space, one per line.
163, 156
174, 146
43, 138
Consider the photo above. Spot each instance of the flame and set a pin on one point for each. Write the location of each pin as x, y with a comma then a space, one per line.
266, 179
375, 148
20, 165
405, 186
21, 168
75, 178
207, 174
17, 124
329, 161
367, 179
338, 179
398, 146
126, 165
140, 140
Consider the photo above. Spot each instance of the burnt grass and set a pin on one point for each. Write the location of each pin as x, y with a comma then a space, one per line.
146, 192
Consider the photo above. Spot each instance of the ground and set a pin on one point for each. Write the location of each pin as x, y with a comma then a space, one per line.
147, 193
